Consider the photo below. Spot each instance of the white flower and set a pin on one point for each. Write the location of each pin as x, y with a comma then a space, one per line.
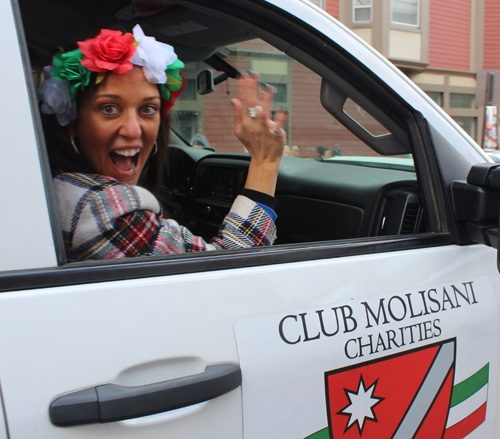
153, 56
56, 98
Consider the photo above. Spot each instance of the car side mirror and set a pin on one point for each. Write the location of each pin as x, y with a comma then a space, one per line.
477, 203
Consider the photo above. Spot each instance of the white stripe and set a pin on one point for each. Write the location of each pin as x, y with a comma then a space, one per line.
467, 407
427, 392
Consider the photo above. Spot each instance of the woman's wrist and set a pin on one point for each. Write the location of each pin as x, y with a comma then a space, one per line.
263, 177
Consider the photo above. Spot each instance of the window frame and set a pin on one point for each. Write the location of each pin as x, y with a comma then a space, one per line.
354, 8
319, 3
40, 138
407, 24
440, 101
103, 271
472, 97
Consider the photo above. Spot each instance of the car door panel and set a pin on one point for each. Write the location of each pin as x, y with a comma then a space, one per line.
141, 331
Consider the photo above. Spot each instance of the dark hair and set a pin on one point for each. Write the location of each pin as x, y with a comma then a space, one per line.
64, 158
321, 150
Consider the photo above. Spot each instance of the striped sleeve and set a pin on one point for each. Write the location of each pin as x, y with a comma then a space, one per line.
246, 225
139, 233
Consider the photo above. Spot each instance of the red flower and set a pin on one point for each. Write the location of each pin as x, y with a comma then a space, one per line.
110, 50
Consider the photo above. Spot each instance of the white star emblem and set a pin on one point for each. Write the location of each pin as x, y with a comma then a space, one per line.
361, 405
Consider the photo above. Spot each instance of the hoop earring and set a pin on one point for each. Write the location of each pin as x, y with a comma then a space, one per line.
72, 139
155, 150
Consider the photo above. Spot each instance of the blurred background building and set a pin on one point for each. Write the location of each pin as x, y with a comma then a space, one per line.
450, 48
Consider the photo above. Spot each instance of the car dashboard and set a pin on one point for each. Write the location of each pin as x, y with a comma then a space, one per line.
317, 200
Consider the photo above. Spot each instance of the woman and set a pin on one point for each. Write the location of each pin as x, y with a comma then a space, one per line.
323, 152
112, 96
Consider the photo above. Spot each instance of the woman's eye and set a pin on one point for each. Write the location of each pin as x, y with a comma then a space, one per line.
109, 109
150, 110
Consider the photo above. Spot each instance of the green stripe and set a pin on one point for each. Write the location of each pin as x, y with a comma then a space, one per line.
471, 385
322, 434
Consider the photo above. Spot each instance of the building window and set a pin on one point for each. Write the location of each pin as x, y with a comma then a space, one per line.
468, 124
436, 96
462, 100
279, 92
362, 11
406, 12
320, 3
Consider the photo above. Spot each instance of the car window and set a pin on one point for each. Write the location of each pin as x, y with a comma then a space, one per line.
331, 178
310, 126
348, 170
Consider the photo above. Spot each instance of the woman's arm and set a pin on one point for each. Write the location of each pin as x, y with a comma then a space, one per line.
104, 219
264, 138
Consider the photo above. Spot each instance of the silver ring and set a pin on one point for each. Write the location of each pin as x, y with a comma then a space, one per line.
253, 112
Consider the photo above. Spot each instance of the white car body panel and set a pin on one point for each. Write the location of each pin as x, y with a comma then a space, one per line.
139, 331
25, 243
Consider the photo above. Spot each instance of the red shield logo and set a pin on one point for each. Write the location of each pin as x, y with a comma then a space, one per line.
402, 396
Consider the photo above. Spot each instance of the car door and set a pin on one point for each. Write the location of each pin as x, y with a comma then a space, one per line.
373, 335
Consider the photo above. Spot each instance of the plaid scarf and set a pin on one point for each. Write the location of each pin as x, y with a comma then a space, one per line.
102, 218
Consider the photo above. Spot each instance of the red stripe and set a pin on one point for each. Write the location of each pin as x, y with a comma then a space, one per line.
467, 425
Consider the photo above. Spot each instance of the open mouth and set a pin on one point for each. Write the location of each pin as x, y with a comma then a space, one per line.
125, 159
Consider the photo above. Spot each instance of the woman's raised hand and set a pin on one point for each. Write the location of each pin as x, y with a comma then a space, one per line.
263, 138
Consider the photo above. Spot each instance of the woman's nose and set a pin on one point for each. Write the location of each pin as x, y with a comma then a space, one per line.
131, 126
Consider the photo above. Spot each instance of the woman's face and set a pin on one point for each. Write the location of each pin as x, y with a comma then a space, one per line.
118, 124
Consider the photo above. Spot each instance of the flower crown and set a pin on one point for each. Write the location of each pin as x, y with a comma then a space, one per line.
110, 51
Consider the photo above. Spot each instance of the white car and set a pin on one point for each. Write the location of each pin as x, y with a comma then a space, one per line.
376, 313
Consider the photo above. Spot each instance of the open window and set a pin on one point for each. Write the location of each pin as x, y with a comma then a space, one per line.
360, 165
348, 168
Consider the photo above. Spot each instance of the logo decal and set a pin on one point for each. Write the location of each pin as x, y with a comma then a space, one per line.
407, 395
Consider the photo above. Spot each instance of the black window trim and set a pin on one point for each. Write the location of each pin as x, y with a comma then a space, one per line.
89, 272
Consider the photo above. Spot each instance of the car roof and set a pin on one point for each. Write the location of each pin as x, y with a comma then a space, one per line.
194, 35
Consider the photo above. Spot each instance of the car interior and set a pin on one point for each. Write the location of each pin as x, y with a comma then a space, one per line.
369, 187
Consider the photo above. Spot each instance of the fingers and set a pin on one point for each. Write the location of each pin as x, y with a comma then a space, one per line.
249, 91
238, 114
267, 101
253, 124
252, 96
276, 126
280, 118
